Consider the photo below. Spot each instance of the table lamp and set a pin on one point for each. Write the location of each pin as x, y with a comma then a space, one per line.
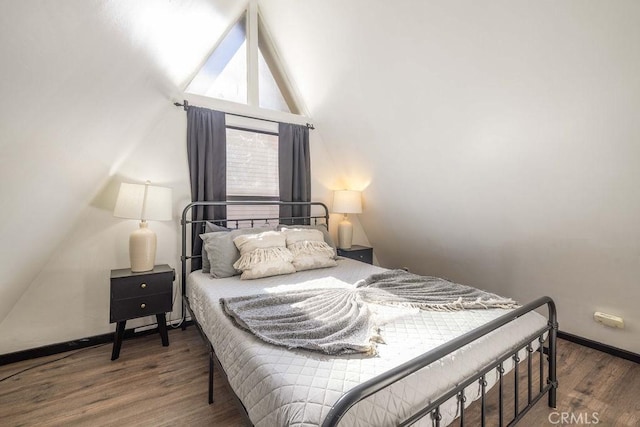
346, 202
143, 202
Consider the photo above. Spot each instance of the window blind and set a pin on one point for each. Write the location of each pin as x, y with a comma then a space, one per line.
252, 172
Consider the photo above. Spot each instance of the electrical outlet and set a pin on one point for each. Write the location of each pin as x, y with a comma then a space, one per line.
609, 320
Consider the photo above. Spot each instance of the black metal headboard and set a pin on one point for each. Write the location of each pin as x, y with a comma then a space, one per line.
187, 220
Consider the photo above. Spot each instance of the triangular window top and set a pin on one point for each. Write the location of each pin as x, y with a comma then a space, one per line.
224, 74
227, 75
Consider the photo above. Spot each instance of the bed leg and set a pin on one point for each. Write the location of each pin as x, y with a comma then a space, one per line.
553, 380
183, 325
211, 377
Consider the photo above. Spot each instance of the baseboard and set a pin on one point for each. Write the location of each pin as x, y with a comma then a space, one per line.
614, 351
51, 349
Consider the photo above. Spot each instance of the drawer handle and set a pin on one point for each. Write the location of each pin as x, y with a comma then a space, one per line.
143, 305
144, 285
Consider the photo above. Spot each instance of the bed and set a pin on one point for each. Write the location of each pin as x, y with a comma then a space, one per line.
429, 369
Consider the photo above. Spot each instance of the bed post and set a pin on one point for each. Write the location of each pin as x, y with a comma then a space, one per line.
183, 262
210, 374
553, 336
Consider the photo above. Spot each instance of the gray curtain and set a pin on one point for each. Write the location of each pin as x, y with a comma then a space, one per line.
295, 170
207, 155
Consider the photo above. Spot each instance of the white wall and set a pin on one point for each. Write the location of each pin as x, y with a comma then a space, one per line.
497, 143
69, 297
500, 140
83, 84
86, 104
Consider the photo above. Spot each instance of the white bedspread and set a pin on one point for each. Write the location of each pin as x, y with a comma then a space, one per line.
286, 387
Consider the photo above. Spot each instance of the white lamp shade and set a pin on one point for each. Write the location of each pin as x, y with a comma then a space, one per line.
143, 202
347, 201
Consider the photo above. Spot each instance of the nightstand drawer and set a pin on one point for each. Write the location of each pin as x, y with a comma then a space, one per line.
141, 306
365, 256
141, 285
359, 253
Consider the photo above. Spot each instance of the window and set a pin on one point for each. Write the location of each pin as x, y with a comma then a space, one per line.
244, 68
252, 163
252, 171
224, 74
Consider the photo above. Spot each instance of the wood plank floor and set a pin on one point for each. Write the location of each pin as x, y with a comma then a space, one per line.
595, 388
151, 385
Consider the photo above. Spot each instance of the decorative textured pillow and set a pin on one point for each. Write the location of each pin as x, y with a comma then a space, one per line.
321, 227
222, 252
209, 228
309, 249
263, 255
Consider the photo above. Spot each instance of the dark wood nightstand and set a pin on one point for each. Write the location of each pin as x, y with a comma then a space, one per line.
359, 253
136, 295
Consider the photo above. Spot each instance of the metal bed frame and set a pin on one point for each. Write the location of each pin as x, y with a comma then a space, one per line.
370, 387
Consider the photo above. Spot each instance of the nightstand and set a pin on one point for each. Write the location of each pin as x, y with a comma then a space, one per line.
136, 295
359, 253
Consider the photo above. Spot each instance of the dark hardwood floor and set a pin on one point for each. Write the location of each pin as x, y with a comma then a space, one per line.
151, 385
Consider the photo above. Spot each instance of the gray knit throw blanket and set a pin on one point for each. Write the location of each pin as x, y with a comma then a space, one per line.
340, 321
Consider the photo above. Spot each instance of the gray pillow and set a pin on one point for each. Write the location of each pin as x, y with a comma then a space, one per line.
208, 228
222, 252
325, 232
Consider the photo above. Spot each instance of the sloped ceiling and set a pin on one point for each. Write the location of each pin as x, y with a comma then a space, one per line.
496, 142
82, 83
86, 103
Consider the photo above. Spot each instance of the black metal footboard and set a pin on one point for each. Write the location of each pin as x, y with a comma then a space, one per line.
372, 386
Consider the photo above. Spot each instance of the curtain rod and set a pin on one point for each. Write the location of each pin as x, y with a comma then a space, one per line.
185, 105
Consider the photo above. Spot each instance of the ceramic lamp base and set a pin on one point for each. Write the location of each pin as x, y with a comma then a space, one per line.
345, 234
142, 249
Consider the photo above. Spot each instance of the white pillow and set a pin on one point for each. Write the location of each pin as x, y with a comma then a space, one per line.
321, 227
295, 235
309, 249
263, 255
311, 262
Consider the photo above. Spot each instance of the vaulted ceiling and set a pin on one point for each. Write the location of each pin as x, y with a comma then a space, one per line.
83, 83
496, 142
